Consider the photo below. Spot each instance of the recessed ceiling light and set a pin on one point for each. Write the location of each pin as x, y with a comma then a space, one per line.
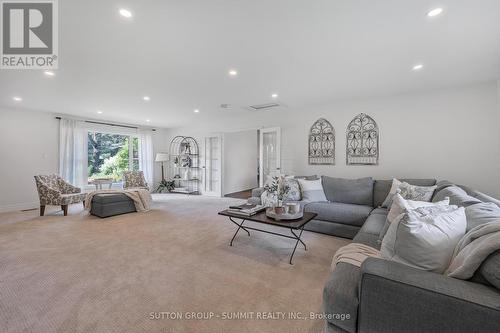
17, 98
99, 111
49, 73
417, 67
125, 13
146, 98
435, 12
233, 72
274, 95
148, 120
196, 111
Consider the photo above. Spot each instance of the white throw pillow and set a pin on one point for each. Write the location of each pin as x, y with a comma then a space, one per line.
400, 205
312, 190
394, 187
409, 192
414, 192
425, 237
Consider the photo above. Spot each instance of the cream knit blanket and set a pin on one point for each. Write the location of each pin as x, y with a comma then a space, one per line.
354, 254
142, 198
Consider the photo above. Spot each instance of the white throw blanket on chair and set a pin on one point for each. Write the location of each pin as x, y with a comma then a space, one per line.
142, 198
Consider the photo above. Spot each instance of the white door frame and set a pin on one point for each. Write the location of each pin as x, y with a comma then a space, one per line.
218, 191
261, 151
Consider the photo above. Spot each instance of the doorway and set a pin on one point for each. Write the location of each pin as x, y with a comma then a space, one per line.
240, 171
212, 167
249, 157
269, 153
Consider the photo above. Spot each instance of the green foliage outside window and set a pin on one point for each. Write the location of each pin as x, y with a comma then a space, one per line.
108, 155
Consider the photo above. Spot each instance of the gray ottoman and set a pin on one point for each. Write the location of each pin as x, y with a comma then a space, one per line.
105, 205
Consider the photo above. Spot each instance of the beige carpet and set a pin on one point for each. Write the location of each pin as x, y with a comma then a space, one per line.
85, 274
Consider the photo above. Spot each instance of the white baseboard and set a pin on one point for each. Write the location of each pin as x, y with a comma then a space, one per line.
20, 206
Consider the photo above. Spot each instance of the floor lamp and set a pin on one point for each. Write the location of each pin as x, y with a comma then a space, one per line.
162, 157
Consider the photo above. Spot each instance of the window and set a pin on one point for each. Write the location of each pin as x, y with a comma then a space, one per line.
111, 154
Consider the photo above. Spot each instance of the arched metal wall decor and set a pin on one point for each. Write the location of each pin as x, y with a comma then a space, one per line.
362, 145
322, 143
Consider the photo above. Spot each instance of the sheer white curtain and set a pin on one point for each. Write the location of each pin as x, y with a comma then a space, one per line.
146, 155
73, 152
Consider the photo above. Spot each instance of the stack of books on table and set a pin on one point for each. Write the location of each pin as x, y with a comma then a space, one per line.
246, 209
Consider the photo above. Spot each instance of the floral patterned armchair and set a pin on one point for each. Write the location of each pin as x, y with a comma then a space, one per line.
53, 190
134, 179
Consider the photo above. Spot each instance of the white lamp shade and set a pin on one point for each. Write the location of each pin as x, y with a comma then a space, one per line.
161, 157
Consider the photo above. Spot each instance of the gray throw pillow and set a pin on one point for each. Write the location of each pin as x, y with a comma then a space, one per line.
481, 213
457, 196
349, 191
443, 184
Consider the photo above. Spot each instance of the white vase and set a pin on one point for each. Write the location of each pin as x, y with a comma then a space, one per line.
187, 174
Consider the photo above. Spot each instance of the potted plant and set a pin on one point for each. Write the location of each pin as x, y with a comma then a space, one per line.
167, 185
280, 189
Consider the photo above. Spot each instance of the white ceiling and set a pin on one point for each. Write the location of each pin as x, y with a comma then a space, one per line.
309, 52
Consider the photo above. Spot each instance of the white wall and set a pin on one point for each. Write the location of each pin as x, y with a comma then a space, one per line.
240, 161
29, 145
448, 134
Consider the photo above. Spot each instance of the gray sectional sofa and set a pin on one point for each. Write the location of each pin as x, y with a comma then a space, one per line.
350, 202
385, 296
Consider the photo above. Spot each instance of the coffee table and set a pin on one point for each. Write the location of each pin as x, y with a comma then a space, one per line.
297, 225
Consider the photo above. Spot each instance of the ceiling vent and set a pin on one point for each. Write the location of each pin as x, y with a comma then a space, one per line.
259, 107
225, 106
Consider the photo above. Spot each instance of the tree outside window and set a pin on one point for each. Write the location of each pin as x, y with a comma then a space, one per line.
109, 155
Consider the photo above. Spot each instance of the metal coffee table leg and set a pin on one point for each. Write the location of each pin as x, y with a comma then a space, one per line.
240, 226
295, 236
298, 237
297, 243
